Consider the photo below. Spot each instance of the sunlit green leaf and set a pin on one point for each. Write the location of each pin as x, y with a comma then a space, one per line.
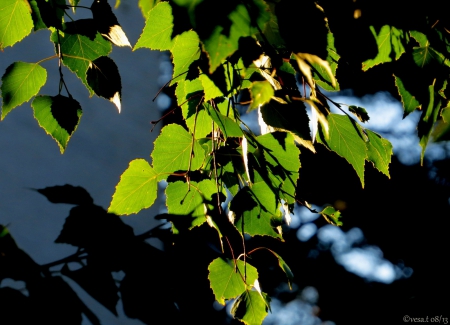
59, 116
190, 201
425, 54
20, 83
256, 210
409, 101
250, 308
136, 190
189, 96
146, 6
175, 150
391, 45
379, 152
185, 50
230, 278
282, 155
346, 139
36, 16
321, 74
222, 43
79, 51
228, 127
261, 92
428, 119
332, 216
157, 33
441, 131
211, 90
15, 21
290, 117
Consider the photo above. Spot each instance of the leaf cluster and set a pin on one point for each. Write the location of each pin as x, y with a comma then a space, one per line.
250, 55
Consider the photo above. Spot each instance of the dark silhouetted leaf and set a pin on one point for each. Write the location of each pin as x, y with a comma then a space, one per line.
97, 282
104, 78
67, 194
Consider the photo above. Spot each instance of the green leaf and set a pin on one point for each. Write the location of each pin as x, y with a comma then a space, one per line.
36, 15
360, 113
283, 265
425, 54
189, 95
15, 22
229, 127
250, 308
321, 74
332, 216
222, 43
59, 116
79, 51
175, 150
261, 92
428, 119
20, 83
185, 50
409, 101
282, 155
210, 88
390, 43
146, 6
191, 202
230, 168
346, 139
379, 152
227, 278
441, 131
157, 33
137, 189
256, 210
290, 117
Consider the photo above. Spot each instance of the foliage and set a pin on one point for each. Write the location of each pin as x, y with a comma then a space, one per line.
219, 170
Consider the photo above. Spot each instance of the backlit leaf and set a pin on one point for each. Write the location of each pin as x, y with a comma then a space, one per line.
425, 54
346, 139
20, 83
59, 116
222, 43
189, 202
211, 90
79, 51
321, 74
290, 117
250, 308
379, 152
256, 210
136, 190
15, 21
228, 127
332, 216
185, 50
157, 33
175, 150
261, 92
282, 156
409, 101
391, 45
227, 278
